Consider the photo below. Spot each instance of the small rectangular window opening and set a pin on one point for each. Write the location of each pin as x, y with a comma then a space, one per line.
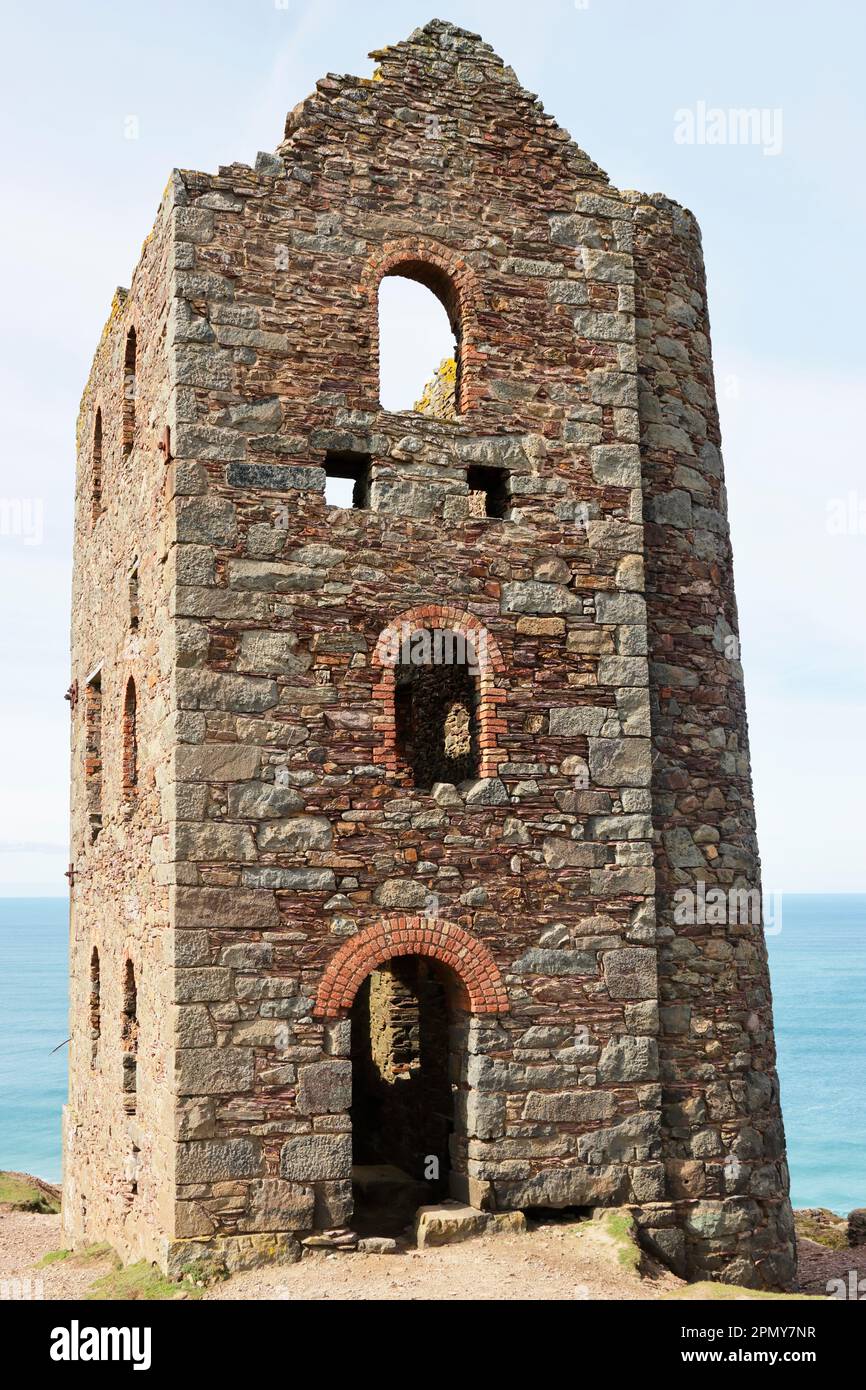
489, 492
132, 1168
347, 479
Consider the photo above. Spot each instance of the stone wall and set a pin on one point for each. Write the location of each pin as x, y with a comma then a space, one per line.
724, 1141
119, 1160
289, 824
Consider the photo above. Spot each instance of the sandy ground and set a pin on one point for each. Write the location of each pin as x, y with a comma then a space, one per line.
555, 1262
25, 1237
551, 1262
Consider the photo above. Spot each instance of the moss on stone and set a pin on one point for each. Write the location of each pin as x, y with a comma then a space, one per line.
91, 1254
438, 398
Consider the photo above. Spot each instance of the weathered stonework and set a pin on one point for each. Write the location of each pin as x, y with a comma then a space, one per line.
246, 832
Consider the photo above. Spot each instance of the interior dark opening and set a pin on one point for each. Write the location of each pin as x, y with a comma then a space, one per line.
435, 708
489, 493
402, 1100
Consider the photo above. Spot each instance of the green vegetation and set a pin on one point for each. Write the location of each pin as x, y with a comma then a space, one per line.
22, 1193
822, 1225
207, 1270
727, 1292
139, 1281
620, 1227
52, 1258
89, 1255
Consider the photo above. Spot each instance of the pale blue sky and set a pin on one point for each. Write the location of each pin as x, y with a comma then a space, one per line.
783, 233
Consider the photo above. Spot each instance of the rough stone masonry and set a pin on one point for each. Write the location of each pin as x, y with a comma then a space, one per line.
251, 835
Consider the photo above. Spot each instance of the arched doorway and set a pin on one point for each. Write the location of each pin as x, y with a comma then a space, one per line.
409, 986
406, 1074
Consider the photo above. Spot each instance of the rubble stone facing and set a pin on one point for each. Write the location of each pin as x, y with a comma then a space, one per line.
722, 1126
277, 850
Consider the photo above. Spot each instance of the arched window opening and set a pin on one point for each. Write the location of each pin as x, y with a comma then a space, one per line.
93, 753
446, 718
96, 468
132, 589
419, 342
436, 707
129, 388
129, 1036
130, 741
95, 1007
409, 986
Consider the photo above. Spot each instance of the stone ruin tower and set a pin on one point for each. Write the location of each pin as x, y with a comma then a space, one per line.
379, 810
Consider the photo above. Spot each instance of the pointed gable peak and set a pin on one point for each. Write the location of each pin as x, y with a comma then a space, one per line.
448, 38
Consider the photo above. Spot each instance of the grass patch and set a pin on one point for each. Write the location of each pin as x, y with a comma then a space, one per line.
620, 1227
89, 1255
823, 1226
208, 1270
21, 1193
52, 1258
141, 1281
721, 1293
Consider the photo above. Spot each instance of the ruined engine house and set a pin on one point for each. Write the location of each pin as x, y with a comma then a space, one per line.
380, 809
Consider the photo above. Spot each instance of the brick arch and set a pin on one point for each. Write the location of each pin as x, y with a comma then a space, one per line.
447, 275
481, 987
490, 663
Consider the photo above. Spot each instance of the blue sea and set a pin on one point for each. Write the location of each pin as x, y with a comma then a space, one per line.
818, 968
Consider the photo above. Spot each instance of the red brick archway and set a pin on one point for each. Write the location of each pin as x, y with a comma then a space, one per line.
489, 663
481, 988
